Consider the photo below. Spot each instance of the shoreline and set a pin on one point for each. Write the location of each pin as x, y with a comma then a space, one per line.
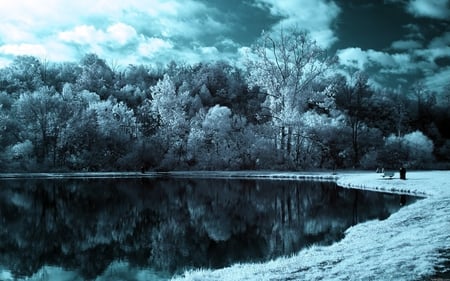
408, 245
336, 177
175, 174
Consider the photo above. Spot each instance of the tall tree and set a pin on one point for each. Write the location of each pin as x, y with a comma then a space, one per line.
284, 64
43, 114
24, 74
425, 106
96, 76
354, 99
169, 110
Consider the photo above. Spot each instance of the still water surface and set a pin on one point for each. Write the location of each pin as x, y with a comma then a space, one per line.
170, 225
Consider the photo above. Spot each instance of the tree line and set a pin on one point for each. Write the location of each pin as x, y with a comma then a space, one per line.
289, 106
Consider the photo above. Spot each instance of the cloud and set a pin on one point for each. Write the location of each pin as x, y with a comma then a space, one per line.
406, 45
440, 41
176, 19
76, 12
438, 81
209, 51
378, 62
83, 35
228, 44
431, 54
119, 34
53, 51
437, 9
363, 59
111, 29
11, 33
4, 62
353, 57
189, 28
23, 49
150, 46
430, 65
314, 16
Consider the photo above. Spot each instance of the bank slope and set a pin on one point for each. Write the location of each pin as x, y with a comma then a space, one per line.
406, 246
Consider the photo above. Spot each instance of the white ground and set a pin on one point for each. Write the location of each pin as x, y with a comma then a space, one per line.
403, 247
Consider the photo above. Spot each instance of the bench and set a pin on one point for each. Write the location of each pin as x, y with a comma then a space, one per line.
389, 175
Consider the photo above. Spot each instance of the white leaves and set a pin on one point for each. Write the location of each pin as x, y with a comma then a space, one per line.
218, 119
419, 141
114, 120
285, 64
419, 148
22, 150
313, 119
168, 105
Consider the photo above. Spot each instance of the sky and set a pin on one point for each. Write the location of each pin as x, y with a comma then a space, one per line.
396, 42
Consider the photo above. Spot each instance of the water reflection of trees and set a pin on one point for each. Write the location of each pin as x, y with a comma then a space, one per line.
171, 224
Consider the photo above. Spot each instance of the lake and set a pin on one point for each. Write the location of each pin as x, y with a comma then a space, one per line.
163, 226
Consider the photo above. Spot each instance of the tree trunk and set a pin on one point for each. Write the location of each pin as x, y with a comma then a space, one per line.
288, 141
355, 143
283, 138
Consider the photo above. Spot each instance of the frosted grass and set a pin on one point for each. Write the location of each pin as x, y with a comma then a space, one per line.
403, 247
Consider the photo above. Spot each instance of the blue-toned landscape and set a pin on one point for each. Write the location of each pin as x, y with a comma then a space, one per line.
224, 140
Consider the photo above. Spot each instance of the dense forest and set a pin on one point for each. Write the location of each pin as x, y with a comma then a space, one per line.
289, 106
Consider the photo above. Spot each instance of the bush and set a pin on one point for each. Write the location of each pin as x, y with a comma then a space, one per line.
369, 160
413, 150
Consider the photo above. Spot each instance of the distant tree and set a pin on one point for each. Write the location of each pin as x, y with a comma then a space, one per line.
96, 76
420, 149
9, 129
9, 126
355, 100
169, 111
20, 156
116, 129
58, 74
443, 152
397, 110
141, 76
413, 150
327, 136
43, 114
217, 128
79, 145
219, 83
422, 113
23, 74
213, 78
132, 84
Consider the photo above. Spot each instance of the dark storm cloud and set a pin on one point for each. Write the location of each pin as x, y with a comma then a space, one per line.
244, 19
406, 45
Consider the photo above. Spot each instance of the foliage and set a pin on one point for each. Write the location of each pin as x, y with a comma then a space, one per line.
286, 109
413, 150
285, 65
